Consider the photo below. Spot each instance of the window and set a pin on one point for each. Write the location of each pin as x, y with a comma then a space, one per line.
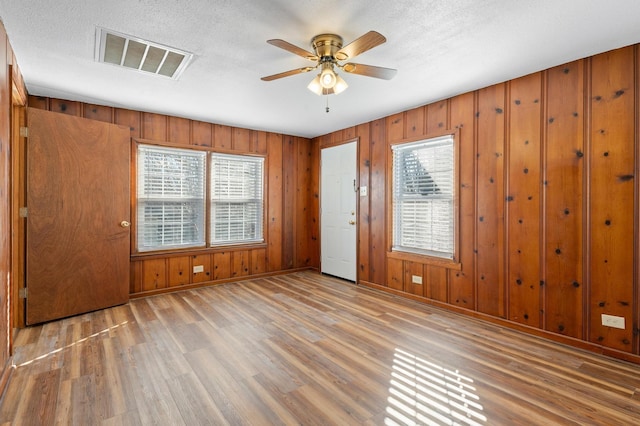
236, 199
423, 197
172, 188
171, 198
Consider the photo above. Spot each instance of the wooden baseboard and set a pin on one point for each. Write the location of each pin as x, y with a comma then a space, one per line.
5, 377
558, 338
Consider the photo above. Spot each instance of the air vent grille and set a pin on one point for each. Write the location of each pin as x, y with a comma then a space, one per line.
141, 55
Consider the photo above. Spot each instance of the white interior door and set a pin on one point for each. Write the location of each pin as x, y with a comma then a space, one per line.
338, 211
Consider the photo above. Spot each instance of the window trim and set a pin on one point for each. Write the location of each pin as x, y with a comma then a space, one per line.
207, 248
450, 263
210, 159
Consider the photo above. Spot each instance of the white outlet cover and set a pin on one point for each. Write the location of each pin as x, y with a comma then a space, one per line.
613, 321
198, 268
416, 279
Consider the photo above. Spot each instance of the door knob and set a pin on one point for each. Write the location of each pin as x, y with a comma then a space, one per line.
352, 222
125, 224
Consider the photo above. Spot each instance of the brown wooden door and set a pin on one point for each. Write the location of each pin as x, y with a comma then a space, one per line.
77, 197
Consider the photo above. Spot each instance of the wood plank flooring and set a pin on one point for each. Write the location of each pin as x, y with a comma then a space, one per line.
304, 349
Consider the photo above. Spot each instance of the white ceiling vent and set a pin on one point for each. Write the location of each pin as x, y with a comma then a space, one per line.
137, 54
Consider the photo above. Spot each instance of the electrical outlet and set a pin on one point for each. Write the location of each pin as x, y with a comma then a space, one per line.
416, 279
613, 321
363, 191
198, 268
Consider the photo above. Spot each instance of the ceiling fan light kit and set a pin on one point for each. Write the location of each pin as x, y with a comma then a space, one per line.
328, 51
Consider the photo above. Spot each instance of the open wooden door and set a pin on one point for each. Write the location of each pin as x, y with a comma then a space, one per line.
78, 242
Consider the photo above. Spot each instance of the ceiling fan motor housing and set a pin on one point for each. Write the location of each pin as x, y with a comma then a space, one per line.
326, 46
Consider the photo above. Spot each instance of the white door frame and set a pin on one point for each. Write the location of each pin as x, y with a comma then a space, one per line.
339, 210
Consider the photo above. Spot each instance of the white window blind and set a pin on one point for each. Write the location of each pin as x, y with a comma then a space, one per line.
423, 197
236, 199
171, 198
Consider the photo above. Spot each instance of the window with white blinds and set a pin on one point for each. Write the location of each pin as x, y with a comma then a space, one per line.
236, 199
423, 197
171, 198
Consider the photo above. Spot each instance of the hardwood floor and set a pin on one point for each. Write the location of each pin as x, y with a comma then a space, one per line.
304, 349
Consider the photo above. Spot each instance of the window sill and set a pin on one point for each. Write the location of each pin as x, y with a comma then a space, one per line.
196, 251
427, 260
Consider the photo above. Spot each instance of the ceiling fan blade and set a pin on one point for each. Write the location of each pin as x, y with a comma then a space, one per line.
360, 45
287, 73
370, 70
293, 49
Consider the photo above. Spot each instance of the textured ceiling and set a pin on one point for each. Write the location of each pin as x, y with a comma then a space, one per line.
440, 47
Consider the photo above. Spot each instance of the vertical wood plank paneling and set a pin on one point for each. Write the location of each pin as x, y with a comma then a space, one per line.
335, 137
349, 133
129, 118
289, 218
302, 200
17, 182
240, 264
39, 102
364, 170
274, 202
241, 140
412, 269
154, 274
395, 274
490, 201
98, 113
179, 271
377, 199
154, 126
221, 265
179, 130
203, 260
258, 261
395, 127
563, 218
611, 207
414, 122
65, 107
201, 133
437, 117
523, 200
436, 283
135, 277
462, 283
313, 205
636, 287
325, 140
260, 140
222, 136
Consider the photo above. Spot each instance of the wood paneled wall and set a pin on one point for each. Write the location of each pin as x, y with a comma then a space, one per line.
12, 93
291, 231
5, 203
549, 229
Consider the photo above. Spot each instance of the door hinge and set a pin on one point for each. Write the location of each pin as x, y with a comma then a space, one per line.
23, 212
22, 294
24, 132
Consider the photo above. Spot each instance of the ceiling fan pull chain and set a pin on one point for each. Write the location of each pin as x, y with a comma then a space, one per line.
327, 109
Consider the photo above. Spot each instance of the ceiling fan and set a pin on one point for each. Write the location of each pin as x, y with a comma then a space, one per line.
328, 53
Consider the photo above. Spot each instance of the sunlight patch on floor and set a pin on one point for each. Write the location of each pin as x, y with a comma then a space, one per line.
424, 393
77, 342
